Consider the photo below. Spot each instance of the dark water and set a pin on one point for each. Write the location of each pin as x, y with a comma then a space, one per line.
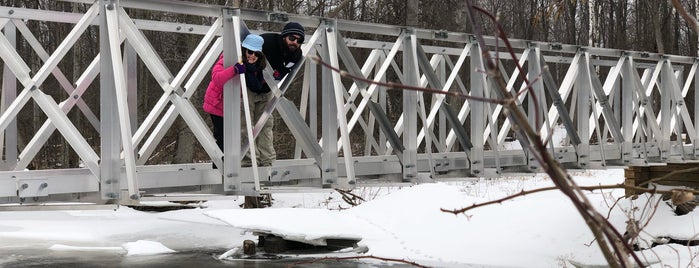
49, 258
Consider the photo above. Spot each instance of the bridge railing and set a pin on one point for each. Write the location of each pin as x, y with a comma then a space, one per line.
595, 106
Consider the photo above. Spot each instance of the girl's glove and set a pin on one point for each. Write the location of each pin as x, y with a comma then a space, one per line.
239, 67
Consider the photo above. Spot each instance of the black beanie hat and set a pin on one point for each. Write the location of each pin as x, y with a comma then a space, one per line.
294, 28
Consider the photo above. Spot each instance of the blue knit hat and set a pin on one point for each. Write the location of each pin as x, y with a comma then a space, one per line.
253, 42
294, 28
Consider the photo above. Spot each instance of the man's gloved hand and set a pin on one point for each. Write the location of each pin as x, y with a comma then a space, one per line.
277, 75
239, 67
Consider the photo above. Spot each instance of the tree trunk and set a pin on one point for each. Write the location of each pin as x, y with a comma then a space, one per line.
591, 34
184, 151
692, 35
572, 31
620, 40
657, 28
411, 14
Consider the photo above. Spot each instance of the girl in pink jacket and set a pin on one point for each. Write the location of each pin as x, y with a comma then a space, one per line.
252, 66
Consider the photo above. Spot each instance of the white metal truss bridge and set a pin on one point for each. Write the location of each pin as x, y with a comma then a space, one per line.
613, 107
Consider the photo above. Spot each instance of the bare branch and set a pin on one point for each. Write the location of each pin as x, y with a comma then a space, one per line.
690, 19
615, 251
502, 36
349, 197
652, 210
586, 188
391, 85
672, 173
357, 258
610, 241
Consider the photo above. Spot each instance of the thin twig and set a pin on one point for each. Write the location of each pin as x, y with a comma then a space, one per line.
392, 85
544, 189
609, 213
349, 197
672, 173
502, 35
357, 258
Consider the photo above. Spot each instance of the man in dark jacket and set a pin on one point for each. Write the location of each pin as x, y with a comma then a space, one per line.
283, 50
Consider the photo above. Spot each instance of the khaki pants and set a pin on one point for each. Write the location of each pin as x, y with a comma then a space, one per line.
264, 143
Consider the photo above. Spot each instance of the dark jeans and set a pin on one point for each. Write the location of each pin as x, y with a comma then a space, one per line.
218, 130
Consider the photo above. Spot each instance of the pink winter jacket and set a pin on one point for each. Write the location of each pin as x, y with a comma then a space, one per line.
213, 99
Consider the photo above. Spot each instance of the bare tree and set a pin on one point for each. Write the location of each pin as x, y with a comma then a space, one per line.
609, 239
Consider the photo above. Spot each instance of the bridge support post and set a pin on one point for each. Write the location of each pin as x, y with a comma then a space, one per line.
329, 117
231, 109
336, 97
583, 86
9, 93
478, 83
410, 102
666, 113
627, 99
536, 98
110, 164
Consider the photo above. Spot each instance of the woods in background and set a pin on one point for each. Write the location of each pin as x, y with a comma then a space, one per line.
641, 25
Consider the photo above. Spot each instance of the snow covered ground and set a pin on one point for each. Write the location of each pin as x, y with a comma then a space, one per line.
538, 230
